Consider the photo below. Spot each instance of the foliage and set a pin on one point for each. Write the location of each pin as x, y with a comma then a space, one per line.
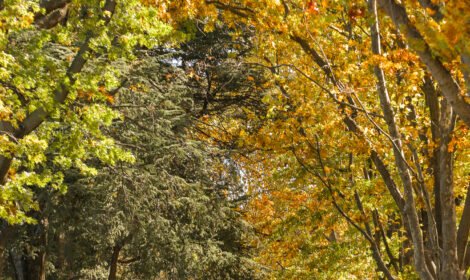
344, 124
361, 122
61, 76
168, 212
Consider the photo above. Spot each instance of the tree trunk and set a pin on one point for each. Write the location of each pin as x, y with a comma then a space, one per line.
114, 262
450, 265
463, 231
43, 253
399, 155
18, 265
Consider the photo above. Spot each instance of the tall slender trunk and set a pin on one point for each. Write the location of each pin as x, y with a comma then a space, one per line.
432, 102
43, 253
450, 265
399, 155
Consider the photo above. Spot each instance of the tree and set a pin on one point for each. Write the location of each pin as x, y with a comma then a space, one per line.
76, 59
369, 106
347, 109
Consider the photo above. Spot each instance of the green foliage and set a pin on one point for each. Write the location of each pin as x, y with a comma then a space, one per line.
33, 67
168, 211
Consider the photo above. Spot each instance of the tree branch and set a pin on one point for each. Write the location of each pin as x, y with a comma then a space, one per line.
37, 117
449, 86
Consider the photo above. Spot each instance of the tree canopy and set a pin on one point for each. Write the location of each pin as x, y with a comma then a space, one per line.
272, 139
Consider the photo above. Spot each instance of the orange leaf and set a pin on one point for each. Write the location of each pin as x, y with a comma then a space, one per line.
312, 7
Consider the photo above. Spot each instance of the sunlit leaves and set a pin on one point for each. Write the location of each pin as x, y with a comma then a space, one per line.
317, 82
33, 67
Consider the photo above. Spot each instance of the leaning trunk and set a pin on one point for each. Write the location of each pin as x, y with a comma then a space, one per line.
114, 263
